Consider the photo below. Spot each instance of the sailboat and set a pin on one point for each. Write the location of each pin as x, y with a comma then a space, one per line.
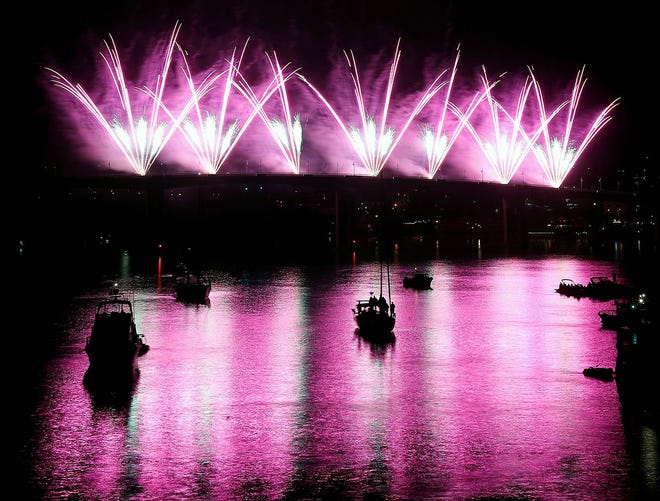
375, 317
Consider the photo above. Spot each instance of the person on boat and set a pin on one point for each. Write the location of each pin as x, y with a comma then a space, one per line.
373, 302
382, 304
392, 309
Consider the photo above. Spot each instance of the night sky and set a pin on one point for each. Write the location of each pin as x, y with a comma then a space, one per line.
556, 38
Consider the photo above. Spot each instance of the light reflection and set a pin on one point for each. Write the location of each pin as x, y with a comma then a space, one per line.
159, 272
124, 265
649, 453
268, 392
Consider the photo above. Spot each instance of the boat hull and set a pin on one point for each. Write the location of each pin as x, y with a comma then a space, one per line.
375, 323
113, 360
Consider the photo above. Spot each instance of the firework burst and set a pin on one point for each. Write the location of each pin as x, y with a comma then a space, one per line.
557, 155
438, 140
509, 142
286, 132
374, 142
139, 138
212, 136
212, 121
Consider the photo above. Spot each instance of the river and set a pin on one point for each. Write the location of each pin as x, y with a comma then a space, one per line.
269, 392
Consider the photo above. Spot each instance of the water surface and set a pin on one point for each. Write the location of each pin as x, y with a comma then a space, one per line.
269, 392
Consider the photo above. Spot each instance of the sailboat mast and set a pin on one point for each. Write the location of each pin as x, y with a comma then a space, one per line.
389, 290
381, 276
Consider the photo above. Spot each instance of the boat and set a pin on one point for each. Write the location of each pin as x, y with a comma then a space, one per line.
114, 345
605, 288
569, 287
599, 287
419, 281
375, 317
602, 373
193, 288
627, 312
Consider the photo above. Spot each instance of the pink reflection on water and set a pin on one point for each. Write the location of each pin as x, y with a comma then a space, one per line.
268, 392
233, 396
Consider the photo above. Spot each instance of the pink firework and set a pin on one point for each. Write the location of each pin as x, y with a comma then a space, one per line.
557, 155
287, 132
211, 135
139, 138
438, 140
509, 143
374, 143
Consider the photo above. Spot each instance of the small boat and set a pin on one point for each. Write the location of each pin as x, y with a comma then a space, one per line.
419, 281
599, 287
193, 288
568, 287
605, 288
602, 373
114, 344
626, 313
375, 317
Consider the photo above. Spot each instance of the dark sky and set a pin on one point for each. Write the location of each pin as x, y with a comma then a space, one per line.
557, 38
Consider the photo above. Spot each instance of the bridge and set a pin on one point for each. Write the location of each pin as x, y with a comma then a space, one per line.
335, 211
331, 182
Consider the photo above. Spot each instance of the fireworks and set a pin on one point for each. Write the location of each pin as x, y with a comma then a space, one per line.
374, 143
210, 119
140, 139
211, 135
508, 143
437, 141
287, 132
558, 155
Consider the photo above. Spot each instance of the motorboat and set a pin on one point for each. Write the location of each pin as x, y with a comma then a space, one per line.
419, 281
193, 288
605, 288
627, 312
599, 287
602, 373
569, 287
114, 345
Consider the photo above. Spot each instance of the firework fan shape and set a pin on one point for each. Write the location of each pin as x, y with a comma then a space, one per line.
212, 128
139, 138
557, 155
374, 143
